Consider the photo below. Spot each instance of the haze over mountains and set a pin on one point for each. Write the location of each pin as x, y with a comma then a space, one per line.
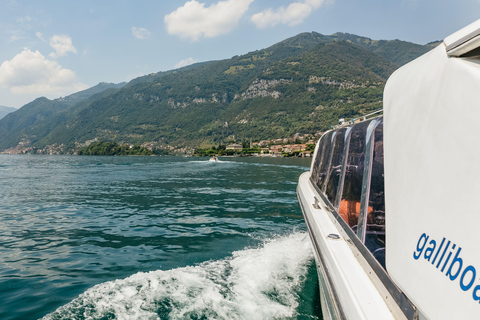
302, 84
6, 110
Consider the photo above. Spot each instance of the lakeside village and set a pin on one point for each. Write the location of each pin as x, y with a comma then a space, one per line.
300, 145
289, 147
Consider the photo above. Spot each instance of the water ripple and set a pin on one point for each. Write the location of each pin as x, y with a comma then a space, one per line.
69, 223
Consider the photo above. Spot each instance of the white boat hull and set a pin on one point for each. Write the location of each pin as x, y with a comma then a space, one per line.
347, 291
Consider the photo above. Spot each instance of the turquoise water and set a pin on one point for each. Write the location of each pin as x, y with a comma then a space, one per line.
153, 238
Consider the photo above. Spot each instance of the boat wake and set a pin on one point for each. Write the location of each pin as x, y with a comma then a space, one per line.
257, 283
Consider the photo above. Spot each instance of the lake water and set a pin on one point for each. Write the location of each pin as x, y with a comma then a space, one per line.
153, 238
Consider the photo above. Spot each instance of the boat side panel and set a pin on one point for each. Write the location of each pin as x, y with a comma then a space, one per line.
329, 298
354, 291
432, 183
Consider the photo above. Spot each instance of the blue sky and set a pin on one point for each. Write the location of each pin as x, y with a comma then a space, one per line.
55, 48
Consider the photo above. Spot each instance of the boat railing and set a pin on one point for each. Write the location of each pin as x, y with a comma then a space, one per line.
343, 123
367, 116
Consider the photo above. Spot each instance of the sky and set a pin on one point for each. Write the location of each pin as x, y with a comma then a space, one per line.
53, 48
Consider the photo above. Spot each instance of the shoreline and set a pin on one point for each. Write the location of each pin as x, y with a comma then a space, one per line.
158, 155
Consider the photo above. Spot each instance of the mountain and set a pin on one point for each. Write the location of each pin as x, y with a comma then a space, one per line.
5, 110
39, 117
302, 84
396, 51
75, 98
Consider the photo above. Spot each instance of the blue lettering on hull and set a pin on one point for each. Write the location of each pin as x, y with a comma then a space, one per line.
454, 269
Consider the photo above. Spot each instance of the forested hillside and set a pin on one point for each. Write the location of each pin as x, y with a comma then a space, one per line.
302, 84
38, 118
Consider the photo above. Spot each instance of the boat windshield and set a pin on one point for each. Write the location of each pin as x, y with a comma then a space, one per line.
348, 170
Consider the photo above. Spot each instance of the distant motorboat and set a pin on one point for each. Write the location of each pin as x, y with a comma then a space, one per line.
214, 159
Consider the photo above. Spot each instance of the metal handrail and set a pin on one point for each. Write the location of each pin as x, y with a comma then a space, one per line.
367, 115
353, 120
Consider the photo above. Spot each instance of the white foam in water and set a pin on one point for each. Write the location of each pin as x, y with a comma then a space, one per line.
258, 283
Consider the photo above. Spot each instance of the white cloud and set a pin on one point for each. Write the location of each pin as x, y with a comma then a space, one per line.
292, 15
19, 30
40, 36
194, 20
62, 45
15, 37
29, 72
24, 19
140, 33
16, 33
185, 62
